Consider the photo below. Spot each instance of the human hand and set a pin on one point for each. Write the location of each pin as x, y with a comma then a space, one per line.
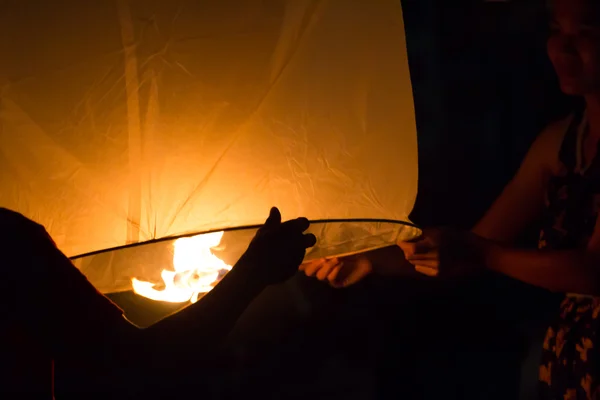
278, 248
339, 273
446, 252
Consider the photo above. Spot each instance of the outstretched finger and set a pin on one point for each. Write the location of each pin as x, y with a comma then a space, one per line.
274, 217
327, 267
296, 225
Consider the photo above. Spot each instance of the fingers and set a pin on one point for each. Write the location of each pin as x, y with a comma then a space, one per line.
274, 217
431, 255
426, 270
298, 224
293, 226
423, 254
311, 268
408, 248
304, 265
427, 264
327, 267
309, 240
333, 279
344, 275
432, 263
419, 247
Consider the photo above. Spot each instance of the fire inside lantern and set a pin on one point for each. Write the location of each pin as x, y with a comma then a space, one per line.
196, 270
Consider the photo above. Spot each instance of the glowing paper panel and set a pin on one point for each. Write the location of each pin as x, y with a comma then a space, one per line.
130, 120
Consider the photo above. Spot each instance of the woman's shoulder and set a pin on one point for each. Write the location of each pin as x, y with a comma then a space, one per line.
554, 133
547, 145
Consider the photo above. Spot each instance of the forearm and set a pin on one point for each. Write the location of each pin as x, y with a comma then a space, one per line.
189, 340
209, 321
213, 316
572, 271
195, 333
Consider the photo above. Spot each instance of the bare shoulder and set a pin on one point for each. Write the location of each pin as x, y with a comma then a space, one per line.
546, 147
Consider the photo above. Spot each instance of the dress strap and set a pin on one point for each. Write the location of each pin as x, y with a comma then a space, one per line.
568, 154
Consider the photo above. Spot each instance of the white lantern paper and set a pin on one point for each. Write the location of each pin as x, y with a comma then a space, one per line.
124, 121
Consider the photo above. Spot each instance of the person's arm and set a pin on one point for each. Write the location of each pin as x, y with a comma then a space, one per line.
77, 315
451, 253
521, 203
207, 322
56, 303
191, 342
522, 200
567, 271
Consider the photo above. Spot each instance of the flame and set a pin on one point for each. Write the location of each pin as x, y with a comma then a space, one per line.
196, 271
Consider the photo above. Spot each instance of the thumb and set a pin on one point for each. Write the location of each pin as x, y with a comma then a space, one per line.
274, 217
408, 248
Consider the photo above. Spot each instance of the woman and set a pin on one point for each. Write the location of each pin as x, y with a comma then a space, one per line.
559, 180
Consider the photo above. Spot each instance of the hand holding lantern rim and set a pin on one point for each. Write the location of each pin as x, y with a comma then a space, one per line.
446, 252
339, 272
437, 252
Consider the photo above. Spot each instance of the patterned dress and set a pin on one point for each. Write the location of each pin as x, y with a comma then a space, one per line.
570, 365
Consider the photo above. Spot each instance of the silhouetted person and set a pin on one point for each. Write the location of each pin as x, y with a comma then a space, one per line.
50, 312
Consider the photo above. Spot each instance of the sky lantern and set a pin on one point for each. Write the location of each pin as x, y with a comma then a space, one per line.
152, 137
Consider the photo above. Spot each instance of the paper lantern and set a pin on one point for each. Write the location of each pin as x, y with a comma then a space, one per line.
131, 121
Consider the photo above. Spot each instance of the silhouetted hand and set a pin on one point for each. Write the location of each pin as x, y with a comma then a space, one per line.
446, 252
339, 273
278, 248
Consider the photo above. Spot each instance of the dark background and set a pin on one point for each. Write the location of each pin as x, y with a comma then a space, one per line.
483, 90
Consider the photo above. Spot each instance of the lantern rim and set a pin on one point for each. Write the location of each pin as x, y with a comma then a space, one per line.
238, 228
